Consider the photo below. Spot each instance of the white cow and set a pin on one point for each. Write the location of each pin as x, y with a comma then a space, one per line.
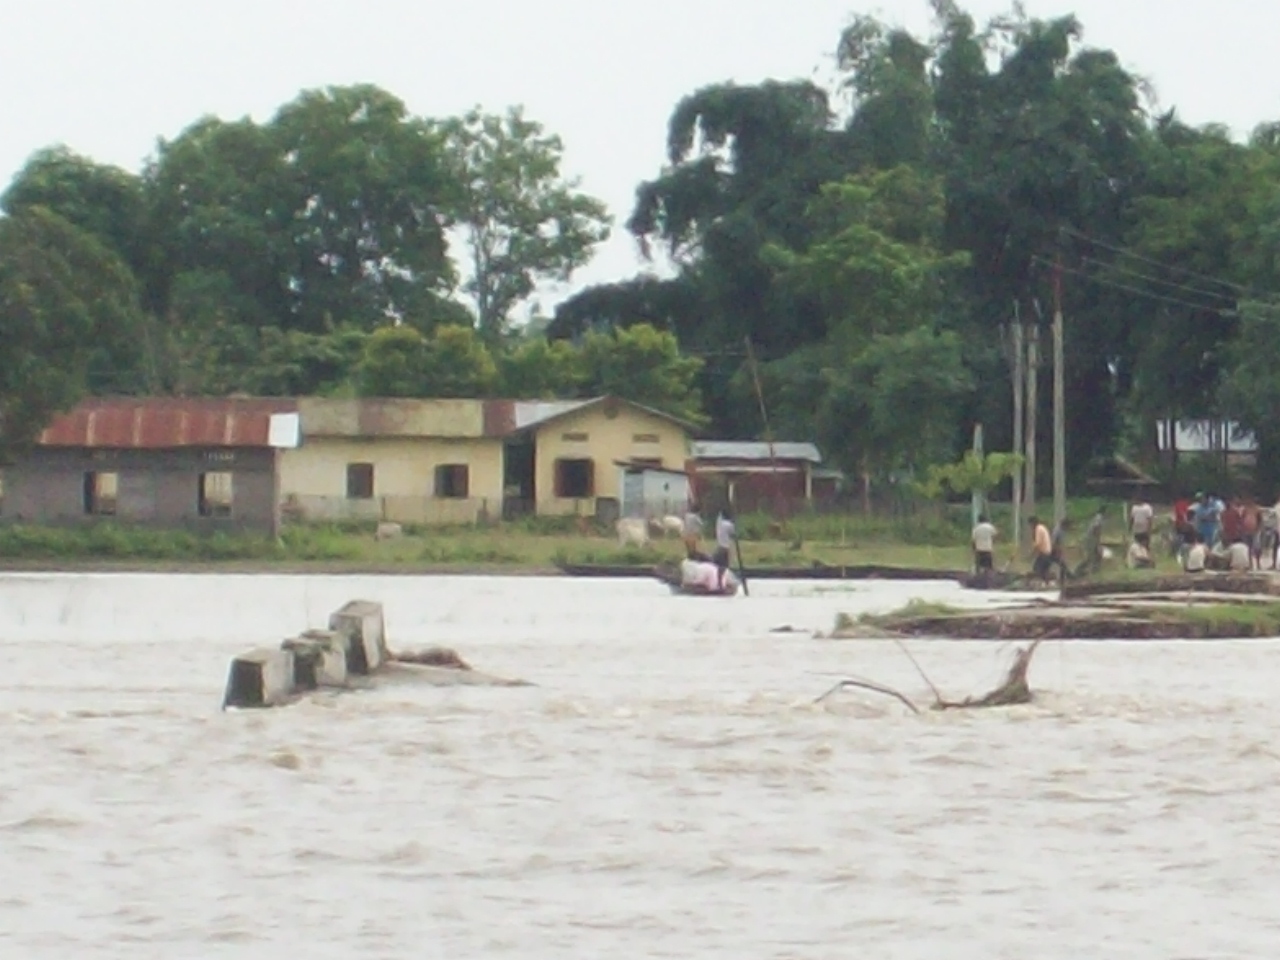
632, 531
672, 526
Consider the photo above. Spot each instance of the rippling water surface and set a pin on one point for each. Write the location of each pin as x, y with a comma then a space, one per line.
666, 790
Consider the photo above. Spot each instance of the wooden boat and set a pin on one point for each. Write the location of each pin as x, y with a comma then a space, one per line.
670, 575
817, 571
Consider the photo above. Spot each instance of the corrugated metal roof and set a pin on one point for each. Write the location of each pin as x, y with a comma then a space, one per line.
160, 423
754, 450
392, 417
505, 417
530, 413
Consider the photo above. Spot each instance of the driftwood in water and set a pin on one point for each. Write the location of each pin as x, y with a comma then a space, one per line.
433, 657
1014, 690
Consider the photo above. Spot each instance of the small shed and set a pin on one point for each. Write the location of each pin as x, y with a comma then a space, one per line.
753, 475
651, 490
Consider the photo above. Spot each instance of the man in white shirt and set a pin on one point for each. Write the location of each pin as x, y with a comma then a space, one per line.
726, 534
1197, 556
983, 540
1141, 517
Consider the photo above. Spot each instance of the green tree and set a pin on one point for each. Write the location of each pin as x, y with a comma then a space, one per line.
523, 221
1250, 390
644, 365
459, 364
367, 189
538, 368
898, 405
398, 361
106, 202
875, 265
63, 294
331, 214
393, 364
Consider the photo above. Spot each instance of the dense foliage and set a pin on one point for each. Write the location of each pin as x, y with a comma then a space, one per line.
871, 242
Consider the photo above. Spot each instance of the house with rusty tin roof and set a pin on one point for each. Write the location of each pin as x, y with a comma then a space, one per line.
204, 464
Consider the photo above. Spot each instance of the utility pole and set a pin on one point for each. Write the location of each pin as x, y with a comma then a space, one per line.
1019, 384
1033, 404
1059, 402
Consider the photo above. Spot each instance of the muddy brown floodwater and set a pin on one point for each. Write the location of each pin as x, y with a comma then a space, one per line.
667, 790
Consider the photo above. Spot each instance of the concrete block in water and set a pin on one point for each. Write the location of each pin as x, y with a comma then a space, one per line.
260, 678
319, 659
361, 623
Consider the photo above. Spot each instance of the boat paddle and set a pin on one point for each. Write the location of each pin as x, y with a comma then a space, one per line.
742, 571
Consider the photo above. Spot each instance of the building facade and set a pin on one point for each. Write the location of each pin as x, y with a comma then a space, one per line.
463, 461
403, 461
204, 465
752, 475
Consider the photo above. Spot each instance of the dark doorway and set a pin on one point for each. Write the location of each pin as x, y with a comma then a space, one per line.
519, 468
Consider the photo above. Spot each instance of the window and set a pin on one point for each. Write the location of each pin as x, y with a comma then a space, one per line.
574, 437
452, 481
645, 438
575, 479
359, 481
100, 490
215, 494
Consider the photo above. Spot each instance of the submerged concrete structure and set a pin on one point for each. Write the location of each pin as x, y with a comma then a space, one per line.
353, 648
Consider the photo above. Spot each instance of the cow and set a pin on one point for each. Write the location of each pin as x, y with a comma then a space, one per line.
632, 531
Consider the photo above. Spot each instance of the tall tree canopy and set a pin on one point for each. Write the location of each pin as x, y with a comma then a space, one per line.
868, 242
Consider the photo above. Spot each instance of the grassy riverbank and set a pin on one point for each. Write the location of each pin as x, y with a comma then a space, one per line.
523, 547
932, 540
1108, 619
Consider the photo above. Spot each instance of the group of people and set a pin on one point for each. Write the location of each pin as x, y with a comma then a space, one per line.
1047, 548
1209, 534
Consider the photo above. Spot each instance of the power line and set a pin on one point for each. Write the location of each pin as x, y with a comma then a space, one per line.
1139, 291
1124, 251
1187, 288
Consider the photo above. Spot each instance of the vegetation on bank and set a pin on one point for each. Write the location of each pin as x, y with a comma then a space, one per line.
928, 537
1114, 619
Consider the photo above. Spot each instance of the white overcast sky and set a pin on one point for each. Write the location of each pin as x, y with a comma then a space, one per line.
108, 77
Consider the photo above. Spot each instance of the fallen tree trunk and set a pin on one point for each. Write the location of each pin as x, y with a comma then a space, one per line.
1013, 691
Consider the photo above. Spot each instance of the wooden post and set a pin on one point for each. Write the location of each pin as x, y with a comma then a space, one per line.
1059, 403
1033, 363
1019, 385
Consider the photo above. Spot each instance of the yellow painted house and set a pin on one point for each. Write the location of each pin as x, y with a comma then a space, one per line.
459, 461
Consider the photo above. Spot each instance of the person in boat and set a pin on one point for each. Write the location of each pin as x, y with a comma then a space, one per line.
692, 532
703, 576
983, 541
726, 534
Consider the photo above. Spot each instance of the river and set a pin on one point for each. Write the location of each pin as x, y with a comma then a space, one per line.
668, 789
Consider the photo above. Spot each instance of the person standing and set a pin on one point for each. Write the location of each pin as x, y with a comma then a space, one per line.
692, 531
1141, 518
983, 540
1041, 550
726, 534
1093, 544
